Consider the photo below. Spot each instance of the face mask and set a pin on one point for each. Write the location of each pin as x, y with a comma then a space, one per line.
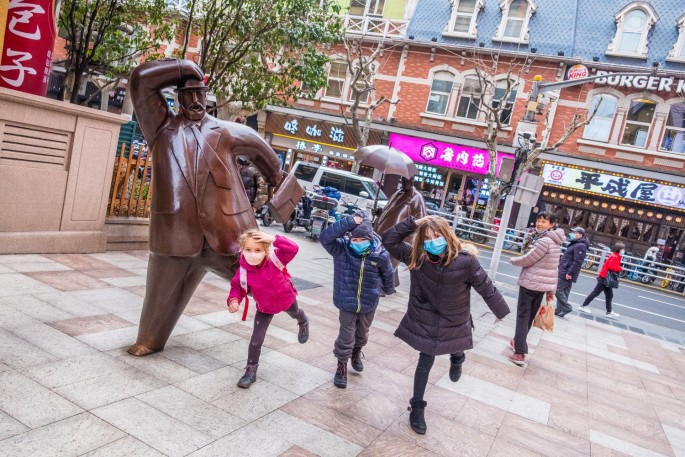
622, 251
254, 258
360, 246
436, 246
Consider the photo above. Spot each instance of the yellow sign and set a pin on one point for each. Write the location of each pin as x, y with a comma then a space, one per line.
4, 7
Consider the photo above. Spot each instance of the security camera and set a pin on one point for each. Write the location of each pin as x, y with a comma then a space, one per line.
529, 136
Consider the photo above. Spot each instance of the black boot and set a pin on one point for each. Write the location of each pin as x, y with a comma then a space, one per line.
357, 355
250, 376
416, 419
303, 334
455, 367
340, 379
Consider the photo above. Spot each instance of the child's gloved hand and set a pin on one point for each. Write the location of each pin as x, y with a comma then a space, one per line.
233, 306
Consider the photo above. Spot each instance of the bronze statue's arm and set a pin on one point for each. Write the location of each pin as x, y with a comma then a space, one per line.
146, 84
247, 143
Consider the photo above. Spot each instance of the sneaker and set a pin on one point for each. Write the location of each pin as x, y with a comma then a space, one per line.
518, 359
585, 309
612, 314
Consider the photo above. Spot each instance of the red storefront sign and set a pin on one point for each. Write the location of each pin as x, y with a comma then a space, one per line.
28, 44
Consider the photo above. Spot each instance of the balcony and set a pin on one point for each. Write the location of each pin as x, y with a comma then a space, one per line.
375, 26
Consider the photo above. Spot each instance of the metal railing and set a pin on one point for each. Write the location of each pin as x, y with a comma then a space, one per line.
374, 26
635, 269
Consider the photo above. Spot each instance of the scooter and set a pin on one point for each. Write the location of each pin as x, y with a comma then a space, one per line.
265, 215
351, 208
320, 217
301, 217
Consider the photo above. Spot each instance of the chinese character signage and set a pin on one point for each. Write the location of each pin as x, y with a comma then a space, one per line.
430, 175
647, 192
29, 37
447, 155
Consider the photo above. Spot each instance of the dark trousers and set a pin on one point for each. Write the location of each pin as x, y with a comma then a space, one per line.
171, 281
261, 324
563, 291
423, 370
526, 309
599, 288
353, 333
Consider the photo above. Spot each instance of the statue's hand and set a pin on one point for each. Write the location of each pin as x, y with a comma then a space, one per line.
190, 70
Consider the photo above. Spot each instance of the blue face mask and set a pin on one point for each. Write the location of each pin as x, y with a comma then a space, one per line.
436, 246
360, 246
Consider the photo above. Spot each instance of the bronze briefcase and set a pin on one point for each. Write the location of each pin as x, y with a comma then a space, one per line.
285, 199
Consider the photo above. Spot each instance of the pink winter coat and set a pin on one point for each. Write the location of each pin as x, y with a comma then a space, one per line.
270, 288
541, 264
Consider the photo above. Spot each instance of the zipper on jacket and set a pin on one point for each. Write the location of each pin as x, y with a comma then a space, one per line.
359, 286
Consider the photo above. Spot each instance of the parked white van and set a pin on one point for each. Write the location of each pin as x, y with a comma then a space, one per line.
354, 188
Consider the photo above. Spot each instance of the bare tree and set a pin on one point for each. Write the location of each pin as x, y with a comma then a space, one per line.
497, 100
363, 65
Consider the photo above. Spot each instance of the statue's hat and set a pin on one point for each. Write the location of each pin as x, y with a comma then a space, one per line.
192, 84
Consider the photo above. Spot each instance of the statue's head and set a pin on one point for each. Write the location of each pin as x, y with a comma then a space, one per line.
192, 96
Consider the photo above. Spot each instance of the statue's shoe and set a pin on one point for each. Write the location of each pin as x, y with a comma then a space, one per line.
140, 350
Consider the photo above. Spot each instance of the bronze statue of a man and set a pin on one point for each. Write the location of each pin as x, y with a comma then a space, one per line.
407, 201
199, 206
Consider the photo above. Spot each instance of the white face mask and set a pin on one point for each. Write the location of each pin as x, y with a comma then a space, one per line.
254, 258
622, 251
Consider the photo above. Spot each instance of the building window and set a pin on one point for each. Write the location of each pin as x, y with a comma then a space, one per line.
674, 135
515, 18
441, 88
463, 20
366, 7
500, 93
599, 128
638, 122
363, 98
337, 75
633, 24
469, 102
677, 54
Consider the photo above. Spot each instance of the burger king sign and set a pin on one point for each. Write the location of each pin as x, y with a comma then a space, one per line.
577, 72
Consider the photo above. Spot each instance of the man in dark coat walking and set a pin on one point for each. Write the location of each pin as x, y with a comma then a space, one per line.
569, 269
199, 207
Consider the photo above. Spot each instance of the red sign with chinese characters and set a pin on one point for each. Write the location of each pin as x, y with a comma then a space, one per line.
27, 49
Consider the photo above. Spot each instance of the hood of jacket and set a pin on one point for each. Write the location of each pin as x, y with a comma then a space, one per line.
557, 235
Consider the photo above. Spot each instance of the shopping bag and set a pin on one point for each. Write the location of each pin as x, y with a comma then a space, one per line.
285, 199
544, 319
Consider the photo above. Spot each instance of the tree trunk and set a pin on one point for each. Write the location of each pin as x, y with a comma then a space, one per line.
493, 202
76, 87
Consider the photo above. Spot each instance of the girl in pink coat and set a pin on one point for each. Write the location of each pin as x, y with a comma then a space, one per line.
264, 275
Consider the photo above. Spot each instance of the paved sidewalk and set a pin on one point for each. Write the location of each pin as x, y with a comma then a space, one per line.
68, 387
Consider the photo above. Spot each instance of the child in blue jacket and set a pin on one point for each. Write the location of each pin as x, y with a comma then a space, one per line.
361, 271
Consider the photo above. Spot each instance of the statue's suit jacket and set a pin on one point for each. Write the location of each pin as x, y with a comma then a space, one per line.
189, 205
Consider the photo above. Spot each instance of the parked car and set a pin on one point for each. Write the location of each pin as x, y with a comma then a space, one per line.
352, 186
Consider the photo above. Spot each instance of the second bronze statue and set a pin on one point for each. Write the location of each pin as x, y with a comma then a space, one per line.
199, 206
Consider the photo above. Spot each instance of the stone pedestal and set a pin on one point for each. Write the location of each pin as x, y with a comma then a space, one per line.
55, 174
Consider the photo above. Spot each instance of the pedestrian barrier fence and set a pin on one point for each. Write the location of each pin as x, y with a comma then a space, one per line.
131, 190
636, 269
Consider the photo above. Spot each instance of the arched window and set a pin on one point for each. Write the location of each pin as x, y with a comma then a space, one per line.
469, 101
599, 128
337, 76
441, 88
463, 20
508, 101
674, 134
515, 18
638, 122
677, 54
633, 24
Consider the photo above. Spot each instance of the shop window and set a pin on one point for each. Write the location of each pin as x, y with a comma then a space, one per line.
500, 94
591, 221
612, 228
636, 230
601, 223
579, 218
638, 122
599, 128
515, 17
463, 20
568, 214
441, 88
633, 24
331, 180
624, 225
674, 135
469, 101
648, 233
337, 74
367, 7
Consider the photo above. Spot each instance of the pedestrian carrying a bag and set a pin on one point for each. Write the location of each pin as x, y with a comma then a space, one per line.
607, 280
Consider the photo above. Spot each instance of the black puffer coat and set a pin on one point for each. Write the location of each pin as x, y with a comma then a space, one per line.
438, 318
357, 279
573, 258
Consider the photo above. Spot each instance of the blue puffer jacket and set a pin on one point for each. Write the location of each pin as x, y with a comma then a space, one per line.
358, 280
